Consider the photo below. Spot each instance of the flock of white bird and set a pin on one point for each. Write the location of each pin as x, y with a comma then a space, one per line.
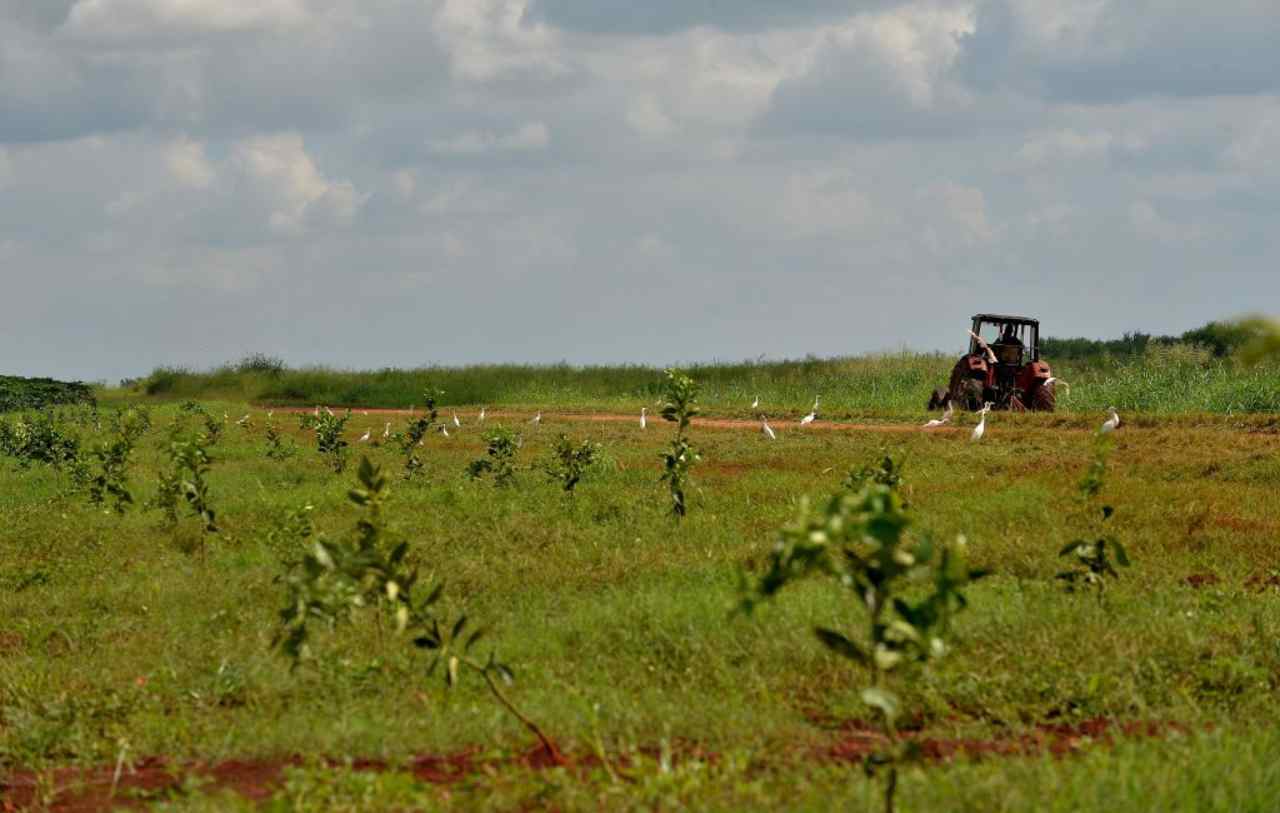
1112, 423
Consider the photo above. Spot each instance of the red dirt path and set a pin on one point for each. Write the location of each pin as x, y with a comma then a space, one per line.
155, 778
713, 423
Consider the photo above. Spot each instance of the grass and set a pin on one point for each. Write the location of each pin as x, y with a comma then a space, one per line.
120, 635
1165, 380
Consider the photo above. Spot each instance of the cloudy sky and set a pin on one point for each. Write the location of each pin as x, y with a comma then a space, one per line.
401, 182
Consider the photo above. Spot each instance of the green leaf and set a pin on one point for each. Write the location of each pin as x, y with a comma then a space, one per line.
883, 700
841, 645
1122, 557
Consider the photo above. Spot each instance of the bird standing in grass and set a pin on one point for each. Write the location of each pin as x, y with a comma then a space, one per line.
481, 414
1112, 423
243, 420
756, 403
945, 419
537, 420
766, 428
1054, 381
386, 430
981, 428
643, 421
444, 430
365, 437
456, 422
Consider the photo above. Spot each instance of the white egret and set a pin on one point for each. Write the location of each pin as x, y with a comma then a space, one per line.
1112, 423
456, 422
444, 430
330, 411
643, 421
243, 420
537, 420
481, 414
365, 437
945, 419
386, 430
766, 428
1054, 381
755, 403
981, 428
366, 413
271, 413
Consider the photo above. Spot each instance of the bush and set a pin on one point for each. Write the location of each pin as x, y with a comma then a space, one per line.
37, 393
261, 363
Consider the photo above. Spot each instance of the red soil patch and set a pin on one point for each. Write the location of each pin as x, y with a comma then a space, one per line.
1240, 524
152, 779
1262, 582
1059, 739
1197, 580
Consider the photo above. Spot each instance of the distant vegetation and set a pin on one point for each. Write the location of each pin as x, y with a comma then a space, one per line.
1219, 338
1197, 372
37, 393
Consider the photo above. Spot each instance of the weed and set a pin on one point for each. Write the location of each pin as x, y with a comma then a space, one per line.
1093, 556
112, 479
369, 569
679, 407
860, 539
189, 462
328, 429
499, 459
569, 462
415, 432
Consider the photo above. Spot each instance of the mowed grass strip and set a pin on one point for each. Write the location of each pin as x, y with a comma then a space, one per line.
118, 633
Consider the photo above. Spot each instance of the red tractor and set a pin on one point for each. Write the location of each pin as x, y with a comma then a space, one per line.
1005, 370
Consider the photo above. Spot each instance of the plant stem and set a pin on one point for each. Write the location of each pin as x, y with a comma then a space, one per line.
550, 746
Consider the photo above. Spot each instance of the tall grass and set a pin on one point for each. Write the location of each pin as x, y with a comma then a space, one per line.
1166, 379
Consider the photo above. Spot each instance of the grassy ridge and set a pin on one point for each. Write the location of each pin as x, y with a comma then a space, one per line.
1165, 379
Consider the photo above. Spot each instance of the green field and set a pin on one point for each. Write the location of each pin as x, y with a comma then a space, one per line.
126, 639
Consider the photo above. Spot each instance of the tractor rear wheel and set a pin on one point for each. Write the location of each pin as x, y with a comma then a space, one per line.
1043, 399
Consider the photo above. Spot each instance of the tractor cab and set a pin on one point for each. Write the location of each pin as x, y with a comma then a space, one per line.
1002, 367
1014, 340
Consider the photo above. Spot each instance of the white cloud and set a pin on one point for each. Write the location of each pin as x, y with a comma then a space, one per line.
187, 163
293, 185
1055, 148
127, 18
489, 40
1257, 148
528, 137
563, 165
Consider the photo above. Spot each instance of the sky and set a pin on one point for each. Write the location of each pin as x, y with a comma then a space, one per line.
370, 183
